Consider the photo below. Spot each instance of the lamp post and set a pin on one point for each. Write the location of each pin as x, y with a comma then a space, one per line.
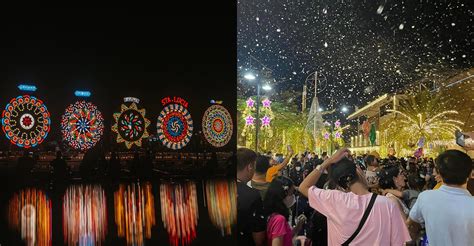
266, 87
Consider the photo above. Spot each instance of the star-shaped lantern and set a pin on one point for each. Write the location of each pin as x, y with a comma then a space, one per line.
250, 103
337, 124
266, 103
337, 135
265, 121
249, 120
326, 136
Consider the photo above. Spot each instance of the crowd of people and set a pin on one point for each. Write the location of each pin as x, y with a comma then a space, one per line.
343, 199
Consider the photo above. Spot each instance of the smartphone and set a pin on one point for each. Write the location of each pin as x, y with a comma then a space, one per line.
460, 138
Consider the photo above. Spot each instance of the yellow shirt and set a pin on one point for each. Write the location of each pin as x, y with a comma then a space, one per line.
273, 172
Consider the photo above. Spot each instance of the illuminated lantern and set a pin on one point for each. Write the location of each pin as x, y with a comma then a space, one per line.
217, 125
175, 125
82, 125
131, 125
26, 121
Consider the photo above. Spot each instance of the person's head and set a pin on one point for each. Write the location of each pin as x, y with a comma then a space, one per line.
415, 182
454, 167
436, 176
345, 173
298, 166
371, 161
280, 196
391, 177
245, 164
262, 164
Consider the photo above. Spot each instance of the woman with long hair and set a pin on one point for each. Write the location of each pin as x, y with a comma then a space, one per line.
392, 180
280, 197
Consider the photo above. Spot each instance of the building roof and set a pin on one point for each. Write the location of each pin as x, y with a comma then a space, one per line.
371, 108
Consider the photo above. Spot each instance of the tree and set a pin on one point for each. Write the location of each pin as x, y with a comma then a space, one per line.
423, 119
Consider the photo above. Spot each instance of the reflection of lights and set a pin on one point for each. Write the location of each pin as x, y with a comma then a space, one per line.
134, 212
30, 213
179, 212
84, 215
221, 204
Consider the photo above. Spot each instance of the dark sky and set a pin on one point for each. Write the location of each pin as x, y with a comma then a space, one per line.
116, 53
363, 48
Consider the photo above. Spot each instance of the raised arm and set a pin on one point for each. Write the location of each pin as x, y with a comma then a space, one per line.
314, 176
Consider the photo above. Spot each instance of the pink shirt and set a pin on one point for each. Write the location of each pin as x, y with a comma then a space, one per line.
277, 226
384, 226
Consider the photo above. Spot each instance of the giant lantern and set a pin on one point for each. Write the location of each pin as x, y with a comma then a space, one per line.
175, 125
131, 124
26, 120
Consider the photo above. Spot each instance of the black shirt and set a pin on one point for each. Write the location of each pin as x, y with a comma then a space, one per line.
250, 216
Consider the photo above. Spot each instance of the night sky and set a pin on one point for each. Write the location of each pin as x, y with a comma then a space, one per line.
363, 48
116, 53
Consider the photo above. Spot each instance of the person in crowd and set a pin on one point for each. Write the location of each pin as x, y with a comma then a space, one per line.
437, 181
258, 180
250, 215
344, 208
372, 166
272, 172
279, 198
470, 182
448, 213
296, 173
391, 178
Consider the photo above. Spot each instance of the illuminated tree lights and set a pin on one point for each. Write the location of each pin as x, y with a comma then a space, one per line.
82, 125
29, 212
222, 205
179, 212
26, 121
217, 125
134, 212
175, 126
84, 215
131, 125
425, 116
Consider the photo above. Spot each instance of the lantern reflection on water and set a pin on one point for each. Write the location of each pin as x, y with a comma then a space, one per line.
222, 205
179, 212
84, 215
29, 212
134, 212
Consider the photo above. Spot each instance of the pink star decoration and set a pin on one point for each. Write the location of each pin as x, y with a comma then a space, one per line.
337, 124
266, 103
326, 135
249, 120
338, 135
250, 103
265, 121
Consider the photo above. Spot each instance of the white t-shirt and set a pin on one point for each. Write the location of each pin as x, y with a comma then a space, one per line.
448, 214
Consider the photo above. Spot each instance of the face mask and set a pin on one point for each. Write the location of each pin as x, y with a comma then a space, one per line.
298, 168
289, 201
